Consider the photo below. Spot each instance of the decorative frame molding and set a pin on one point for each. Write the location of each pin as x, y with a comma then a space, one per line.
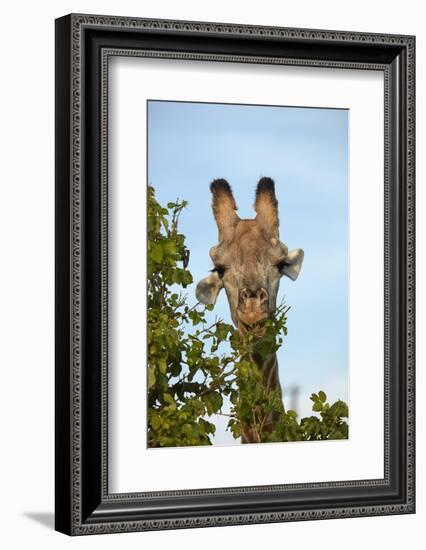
84, 44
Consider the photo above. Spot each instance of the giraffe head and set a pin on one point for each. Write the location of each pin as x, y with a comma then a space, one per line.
249, 259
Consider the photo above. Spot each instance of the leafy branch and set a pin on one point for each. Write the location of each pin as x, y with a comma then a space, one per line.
194, 365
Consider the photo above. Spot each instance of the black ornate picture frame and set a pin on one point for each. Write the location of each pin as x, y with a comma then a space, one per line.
84, 43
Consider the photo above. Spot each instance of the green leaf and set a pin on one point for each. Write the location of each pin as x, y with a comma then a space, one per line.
151, 377
168, 398
344, 410
155, 422
156, 253
187, 429
322, 396
339, 408
169, 247
213, 401
162, 365
317, 406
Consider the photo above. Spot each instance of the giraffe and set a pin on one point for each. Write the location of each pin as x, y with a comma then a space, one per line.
249, 261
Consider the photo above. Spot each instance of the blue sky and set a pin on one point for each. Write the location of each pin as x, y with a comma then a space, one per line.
305, 151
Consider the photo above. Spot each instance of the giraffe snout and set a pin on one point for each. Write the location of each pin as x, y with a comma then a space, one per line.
253, 305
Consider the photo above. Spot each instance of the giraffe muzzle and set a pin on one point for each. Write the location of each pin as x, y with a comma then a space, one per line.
253, 307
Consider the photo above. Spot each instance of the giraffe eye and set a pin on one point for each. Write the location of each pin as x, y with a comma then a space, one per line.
281, 265
220, 270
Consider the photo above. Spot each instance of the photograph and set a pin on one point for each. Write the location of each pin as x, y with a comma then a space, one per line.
247, 273
234, 271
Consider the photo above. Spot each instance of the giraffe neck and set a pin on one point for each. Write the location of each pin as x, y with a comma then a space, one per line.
271, 382
269, 369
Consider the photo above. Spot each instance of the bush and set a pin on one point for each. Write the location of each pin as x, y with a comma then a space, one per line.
193, 365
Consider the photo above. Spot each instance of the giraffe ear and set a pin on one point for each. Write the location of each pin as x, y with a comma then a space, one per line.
224, 208
293, 264
208, 289
266, 206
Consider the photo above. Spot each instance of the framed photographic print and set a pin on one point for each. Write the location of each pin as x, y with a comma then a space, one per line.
234, 274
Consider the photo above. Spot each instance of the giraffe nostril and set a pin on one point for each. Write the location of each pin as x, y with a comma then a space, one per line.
245, 294
259, 295
262, 295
